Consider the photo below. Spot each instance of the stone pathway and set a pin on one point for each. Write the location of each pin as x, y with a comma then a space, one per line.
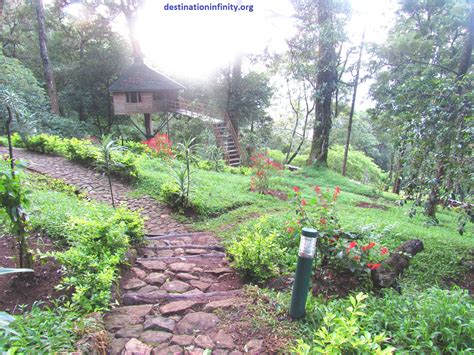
180, 278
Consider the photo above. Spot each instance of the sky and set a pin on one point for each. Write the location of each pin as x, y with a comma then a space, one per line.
194, 43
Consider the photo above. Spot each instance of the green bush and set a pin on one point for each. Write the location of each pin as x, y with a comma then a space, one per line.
431, 321
359, 166
345, 334
82, 151
45, 330
257, 255
171, 194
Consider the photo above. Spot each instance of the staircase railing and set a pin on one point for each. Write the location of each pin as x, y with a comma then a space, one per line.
204, 110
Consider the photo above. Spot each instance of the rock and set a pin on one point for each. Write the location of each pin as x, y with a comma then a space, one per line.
165, 253
186, 277
223, 340
254, 345
148, 288
116, 345
227, 303
154, 338
236, 352
159, 323
155, 278
205, 342
196, 351
141, 274
219, 271
153, 265
200, 285
130, 331
177, 307
182, 340
182, 267
179, 251
128, 315
194, 291
175, 286
220, 352
135, 347
169, 350
130, 298
195, 251
199, 322
198, 270
133, 284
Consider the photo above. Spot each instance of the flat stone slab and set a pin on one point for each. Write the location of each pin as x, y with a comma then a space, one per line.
133, 284
186, 277
223, 304
131, 298
159, 323
182, 267
200, 285
130, 331
155, 278
197, 322
219, 271
116, 345
135, 346
154, 337
141, 274
169, 350
155, 265
223, 340
195, 251
175, 286
177, 307
128, 315
205, 342
183, 340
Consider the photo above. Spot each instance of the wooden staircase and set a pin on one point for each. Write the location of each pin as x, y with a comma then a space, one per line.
226, 137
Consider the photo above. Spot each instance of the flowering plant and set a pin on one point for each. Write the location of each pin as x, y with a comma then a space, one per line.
337, 248
263, 167
160, 144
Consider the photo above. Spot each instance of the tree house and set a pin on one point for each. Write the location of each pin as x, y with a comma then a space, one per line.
143, 90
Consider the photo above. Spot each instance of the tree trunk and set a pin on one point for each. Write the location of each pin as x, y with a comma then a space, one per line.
351, 114
235, 92
392, 267
397, 181
2, 6
326, 80
9, 137
48, 70
148, 126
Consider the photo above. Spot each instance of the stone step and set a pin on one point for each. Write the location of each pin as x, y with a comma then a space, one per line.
176, 235
160, 296
171, 259
187, 246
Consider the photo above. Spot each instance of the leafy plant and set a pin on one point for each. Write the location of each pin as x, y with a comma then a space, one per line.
107, 148
263, 168
14, 199
256, 254
345, 334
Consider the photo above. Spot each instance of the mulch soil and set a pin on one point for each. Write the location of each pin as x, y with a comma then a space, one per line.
24, 289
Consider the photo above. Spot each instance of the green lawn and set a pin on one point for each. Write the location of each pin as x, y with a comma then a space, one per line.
225, 203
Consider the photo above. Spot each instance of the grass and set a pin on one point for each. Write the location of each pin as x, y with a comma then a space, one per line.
224, 203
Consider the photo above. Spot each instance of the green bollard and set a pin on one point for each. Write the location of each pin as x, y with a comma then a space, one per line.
303, 272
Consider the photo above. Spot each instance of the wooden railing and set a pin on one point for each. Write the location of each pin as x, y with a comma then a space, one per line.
203, 110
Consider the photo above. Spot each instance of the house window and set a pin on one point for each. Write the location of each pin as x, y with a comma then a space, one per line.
133, 97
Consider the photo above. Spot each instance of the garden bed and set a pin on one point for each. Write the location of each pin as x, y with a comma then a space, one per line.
26, 289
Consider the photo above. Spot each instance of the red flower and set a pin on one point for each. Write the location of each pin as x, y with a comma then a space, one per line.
370, 246
357, 258
373, 266
337, 190
332, 241
323, 221
317, 189
352, 245
303, 202
383, 251
296, 189
290, 230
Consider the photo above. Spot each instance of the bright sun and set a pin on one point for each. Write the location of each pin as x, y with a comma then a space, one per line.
193, 43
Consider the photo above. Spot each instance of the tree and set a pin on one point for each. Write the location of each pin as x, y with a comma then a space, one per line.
351, 114
48, 69
423, 92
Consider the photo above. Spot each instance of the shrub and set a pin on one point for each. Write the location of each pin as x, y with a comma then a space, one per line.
345, 333
430, 321
264, 168
172, 195
359, 166
256, 255
161, 145
45, 330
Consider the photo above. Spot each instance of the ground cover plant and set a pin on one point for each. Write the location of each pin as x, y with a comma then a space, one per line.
92, 241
